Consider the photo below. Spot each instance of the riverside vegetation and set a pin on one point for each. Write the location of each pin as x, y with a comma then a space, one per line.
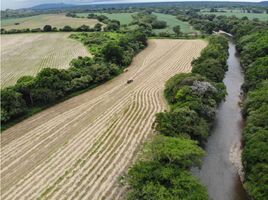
163, 170
251, 37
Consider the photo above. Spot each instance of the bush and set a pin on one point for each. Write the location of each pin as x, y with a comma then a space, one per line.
12, 104
159, 24
212, 62
182, 122
183, 152
153, 180
47, 28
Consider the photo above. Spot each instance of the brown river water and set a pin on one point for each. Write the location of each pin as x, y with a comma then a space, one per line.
218, 173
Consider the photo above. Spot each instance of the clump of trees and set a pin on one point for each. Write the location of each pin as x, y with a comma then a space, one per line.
111, 24
212, 62
52, 85
165, 175
149, 20
163, 171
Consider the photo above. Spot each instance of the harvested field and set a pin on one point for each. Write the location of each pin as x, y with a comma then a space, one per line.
27, 54
79, 148
39, 21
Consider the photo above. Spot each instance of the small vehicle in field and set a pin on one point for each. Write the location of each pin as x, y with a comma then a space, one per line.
129, 81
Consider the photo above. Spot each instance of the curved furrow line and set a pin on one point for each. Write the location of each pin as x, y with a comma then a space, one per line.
53, 164
108, 154
116, 132
107, 138
129, 130
144, 129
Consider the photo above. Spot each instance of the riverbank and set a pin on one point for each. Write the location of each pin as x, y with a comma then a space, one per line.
222, 164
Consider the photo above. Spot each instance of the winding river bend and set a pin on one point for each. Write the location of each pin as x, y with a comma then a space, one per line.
218, 172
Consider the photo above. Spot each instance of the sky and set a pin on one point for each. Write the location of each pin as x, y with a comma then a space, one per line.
15, 4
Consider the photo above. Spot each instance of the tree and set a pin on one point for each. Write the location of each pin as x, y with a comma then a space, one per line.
54, 82
97, 27
113, 53
25, 86
12, 104
177, 30
182, 122
67, 28
84, 28
159, 24
151, 180
183, 152
47, 28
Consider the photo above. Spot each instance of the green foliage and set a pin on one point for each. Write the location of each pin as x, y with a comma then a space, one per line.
47, 28
254, 50
255, 73
97, 27
182, 122
253, 47
113, 52
212, 62
159, 24
153, 180
177, 30
182, 152
12, 104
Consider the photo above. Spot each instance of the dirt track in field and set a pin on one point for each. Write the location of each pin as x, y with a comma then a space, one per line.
78, 148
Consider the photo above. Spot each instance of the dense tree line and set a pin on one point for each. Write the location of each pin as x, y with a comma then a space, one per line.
48, 28
254, 57
212, 62
209, 23
252, 43
251, 37
51, 85
163, 171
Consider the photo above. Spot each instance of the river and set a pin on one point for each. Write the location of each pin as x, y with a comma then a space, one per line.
218, 173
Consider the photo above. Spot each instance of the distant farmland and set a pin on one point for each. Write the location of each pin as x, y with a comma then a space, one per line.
126, 18
260, 16
27, 54
39, 21
173, 21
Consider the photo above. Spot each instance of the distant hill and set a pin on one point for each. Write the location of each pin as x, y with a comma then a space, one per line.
263, 3
52, 6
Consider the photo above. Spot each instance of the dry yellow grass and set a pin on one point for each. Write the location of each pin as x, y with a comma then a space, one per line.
39, 21
27, 54
78, 148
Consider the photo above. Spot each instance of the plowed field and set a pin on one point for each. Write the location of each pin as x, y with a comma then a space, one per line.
78, 148
27, 54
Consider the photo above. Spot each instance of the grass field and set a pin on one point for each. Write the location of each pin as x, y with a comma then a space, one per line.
124, 18
171, 22
39, 21
261, 16
27, 54
79, 148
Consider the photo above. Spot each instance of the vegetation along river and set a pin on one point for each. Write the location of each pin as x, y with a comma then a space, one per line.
219, 172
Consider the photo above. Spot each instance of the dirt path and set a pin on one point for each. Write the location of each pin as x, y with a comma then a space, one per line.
79, 148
